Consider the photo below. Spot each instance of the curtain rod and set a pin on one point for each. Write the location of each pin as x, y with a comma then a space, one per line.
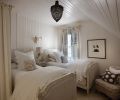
5, 4
70, 26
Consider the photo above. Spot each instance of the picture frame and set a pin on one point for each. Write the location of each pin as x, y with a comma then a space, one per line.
96, 48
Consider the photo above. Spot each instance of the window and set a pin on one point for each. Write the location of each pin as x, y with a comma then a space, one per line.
70, 44
69, 41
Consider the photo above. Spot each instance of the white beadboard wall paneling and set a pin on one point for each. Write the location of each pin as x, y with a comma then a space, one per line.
24, 28
27, 28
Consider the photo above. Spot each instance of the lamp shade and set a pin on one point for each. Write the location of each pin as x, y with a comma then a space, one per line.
57, 11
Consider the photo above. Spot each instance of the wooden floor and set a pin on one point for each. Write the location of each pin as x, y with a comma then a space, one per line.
93, 95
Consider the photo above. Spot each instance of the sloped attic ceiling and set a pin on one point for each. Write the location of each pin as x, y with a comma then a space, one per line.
104, 12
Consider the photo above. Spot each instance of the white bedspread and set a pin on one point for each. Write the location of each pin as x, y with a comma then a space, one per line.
29, 84
78, 67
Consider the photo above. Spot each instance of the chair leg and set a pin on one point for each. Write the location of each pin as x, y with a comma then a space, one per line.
88, 91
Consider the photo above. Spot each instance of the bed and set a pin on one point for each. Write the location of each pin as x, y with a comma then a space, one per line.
44, 83
86, 72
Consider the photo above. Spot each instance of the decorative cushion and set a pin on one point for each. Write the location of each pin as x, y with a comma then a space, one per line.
43, 64
109, 77
54, 56
41, 57
115, 70
118, 79
51, 58
29, 65
64, 59
57, 57
23, 58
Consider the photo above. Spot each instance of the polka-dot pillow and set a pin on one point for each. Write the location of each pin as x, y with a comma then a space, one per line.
110, 77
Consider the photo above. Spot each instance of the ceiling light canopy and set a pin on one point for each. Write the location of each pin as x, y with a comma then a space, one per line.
57, 11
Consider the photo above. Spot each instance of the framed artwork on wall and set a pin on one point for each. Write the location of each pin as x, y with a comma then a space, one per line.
96, 48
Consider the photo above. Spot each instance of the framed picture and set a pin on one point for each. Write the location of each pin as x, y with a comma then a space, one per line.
96, 48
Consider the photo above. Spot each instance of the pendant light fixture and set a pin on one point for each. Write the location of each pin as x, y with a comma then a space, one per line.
57, 11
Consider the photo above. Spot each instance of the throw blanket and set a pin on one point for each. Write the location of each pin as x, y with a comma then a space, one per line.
31, 84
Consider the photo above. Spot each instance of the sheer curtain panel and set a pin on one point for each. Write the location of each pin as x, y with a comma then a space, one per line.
5, 47
70, 43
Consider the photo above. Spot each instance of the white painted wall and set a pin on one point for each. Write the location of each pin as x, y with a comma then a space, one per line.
24, 28
91, 30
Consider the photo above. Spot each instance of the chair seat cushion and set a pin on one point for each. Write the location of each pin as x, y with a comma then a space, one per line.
111, 90
108, 86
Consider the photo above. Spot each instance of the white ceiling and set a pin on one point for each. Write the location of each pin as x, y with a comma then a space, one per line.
40, 9
104, 12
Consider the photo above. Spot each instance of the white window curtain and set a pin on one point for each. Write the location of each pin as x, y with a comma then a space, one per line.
5, 47
71, 42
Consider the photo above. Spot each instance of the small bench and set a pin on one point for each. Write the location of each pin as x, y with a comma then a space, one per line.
111, 90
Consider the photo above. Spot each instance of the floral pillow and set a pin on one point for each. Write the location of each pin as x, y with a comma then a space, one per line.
41, 57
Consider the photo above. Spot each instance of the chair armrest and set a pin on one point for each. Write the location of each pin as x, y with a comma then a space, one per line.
92, 73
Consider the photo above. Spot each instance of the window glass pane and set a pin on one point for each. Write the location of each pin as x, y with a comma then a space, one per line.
69, 48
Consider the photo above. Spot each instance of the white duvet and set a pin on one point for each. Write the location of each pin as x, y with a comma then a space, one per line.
79, 67
31, 84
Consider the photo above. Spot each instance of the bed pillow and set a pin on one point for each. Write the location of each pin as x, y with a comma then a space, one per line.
29, 65
110, 77
64, 59
42, 58
51, 58
24, 58
30, 54
56, 56
115, 69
